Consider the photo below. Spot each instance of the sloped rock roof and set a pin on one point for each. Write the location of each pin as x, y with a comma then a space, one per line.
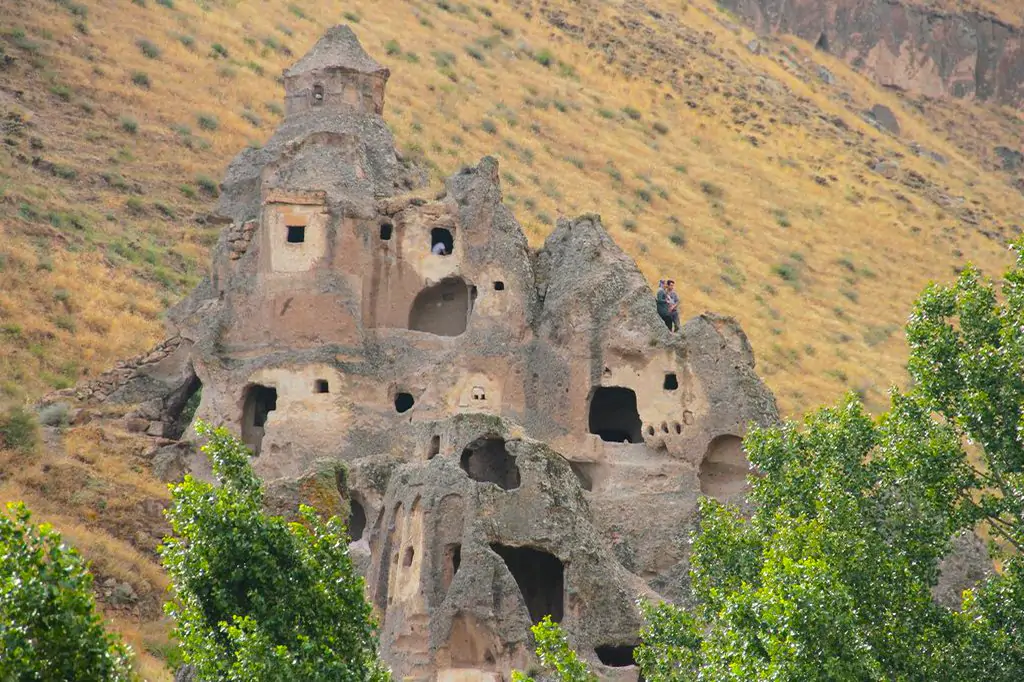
340, 49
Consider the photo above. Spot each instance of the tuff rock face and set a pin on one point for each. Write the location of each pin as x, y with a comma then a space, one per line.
905, 45
513, 432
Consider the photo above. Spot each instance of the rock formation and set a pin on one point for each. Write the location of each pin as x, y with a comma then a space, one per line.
905, 45
513, 432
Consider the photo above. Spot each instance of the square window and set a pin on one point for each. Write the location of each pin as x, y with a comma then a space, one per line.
320, 386
296, 234
671, 383
499, 286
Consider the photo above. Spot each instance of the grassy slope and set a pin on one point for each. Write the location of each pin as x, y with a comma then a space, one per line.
649, 121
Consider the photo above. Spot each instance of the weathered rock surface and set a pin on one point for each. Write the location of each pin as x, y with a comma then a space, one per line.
512, 432
905, 45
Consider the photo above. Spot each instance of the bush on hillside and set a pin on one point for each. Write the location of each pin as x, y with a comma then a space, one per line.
257, 598
18, 430
49, 627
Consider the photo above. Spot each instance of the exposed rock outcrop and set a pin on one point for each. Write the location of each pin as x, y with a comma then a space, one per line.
512, 432
905, 45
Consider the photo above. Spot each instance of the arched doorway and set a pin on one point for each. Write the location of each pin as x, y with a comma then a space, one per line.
614, 416
442, 309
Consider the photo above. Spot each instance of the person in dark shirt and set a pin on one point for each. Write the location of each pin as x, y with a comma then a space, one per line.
663, 304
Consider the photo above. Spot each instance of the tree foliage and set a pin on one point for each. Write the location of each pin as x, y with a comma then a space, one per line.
831, 576
258, 598
49, 627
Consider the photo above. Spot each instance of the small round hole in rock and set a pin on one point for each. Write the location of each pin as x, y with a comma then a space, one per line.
404, 402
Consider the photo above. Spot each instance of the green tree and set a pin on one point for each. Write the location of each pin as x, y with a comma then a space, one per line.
830, 577
49, 628
256, 597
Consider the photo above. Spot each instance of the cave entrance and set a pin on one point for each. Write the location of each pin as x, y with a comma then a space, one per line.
614, 416
259, 402
822, 43
616, 655
723, 472
442, 242
442, 309
180, 408
356, 521
540, 577
488, 461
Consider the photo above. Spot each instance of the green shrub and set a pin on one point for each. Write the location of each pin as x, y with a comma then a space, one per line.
169, 4
187, 40
148, 48
392, 47
48, 617
252, 118
129, 125
660, 128
207, 186
207, 121
141, 79
632, 113
489, 126
544, 57
18, 430
311, 621
351, 16
711, 189
218, 50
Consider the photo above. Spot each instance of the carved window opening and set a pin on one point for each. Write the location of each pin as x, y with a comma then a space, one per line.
614, 416
404, 402
296, 234
321, 386
259, 402
442, 242
356, 520
408, 556
318, 95
499, 286
435, 447
584, 473
723, 471
540, 577
616, 655
386, 229
822, 43
442, 309
488, 461
479, 393
671, 382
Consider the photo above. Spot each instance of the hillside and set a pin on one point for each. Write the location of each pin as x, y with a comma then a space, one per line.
743, 167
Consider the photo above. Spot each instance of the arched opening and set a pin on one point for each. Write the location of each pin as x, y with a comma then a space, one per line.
671, 382
321, 386
723, 472
822, 43
540, 577
488, 461
404, 402
616, 655
386, 229
259, 402
356, 521
442, 242
614, 416
435, 447
442, 309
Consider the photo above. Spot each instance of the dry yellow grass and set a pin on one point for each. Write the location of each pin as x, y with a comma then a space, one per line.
650, 122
